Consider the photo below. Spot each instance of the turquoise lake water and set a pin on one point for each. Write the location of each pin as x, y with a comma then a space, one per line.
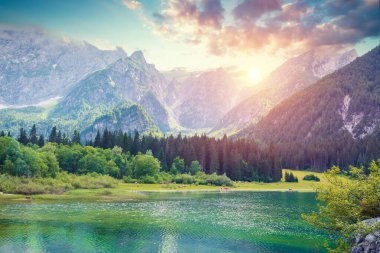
165, 222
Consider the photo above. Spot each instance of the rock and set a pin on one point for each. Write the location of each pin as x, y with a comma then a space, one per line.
357, 249
370, 238
369, 243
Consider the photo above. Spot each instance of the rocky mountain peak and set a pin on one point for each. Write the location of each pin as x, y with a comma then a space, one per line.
138, 56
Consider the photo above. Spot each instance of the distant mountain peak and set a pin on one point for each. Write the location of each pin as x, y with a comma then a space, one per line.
138, 56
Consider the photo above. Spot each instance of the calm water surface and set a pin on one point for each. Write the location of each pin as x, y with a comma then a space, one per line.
165, 222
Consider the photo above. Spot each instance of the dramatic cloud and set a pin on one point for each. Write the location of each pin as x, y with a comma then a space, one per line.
253, 9
132, 4
268, 24
188, 12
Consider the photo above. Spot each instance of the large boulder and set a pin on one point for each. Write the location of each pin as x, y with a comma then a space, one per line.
369, 243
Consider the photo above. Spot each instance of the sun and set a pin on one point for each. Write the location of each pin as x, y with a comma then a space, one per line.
254, 75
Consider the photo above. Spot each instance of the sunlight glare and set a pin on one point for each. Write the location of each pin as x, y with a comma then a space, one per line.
254, 75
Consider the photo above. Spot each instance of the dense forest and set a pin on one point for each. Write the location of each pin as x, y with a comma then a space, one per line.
333, 122
116, 154
240, 160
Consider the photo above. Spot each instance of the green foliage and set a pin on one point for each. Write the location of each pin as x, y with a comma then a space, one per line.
183, 179
195, 167
345, 203
19, 160
61, 183
178, 166
145, 165
311, 177
289, 177
212, 179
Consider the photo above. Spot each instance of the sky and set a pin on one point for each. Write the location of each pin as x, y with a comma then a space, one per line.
250, 37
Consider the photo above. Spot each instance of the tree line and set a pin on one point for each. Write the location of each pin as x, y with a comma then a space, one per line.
240, 160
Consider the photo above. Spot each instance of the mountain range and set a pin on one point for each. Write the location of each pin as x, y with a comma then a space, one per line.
292, 76
344, 103
50, 81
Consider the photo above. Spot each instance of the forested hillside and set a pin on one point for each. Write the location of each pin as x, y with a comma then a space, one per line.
239, 160
335, 121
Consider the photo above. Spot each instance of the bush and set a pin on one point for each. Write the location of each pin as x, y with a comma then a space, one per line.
63, 182
128, 179
289, 177
345, 203
213, 179
311, 177
148, 180
183, 179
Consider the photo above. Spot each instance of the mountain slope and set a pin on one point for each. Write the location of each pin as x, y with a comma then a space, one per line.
129, 79
125, 118
35, 66
344, 103
201, 100
292, 76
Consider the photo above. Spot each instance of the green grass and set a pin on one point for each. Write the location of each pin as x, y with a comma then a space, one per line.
302, 185
128, 191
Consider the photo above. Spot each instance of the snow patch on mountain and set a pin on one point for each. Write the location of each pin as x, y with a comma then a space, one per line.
351, 121
327, 64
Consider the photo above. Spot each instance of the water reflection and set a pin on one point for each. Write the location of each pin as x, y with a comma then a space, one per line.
175, 222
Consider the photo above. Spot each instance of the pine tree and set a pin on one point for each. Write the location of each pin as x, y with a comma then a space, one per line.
105, 139
76, 137
59, 137
33, 135
41, 141
23, 138
136, 144
97, 140
53, 135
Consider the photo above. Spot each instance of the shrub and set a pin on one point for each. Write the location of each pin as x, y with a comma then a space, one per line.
289, 177
128, 179
183, 179
63, 182
148, 180
311, 177
213, 179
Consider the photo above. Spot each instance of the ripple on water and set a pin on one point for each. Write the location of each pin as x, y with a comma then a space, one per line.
193, 222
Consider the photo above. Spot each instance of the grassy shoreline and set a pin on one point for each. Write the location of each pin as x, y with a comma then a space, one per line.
130, 191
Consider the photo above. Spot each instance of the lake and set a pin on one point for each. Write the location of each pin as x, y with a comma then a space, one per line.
165, 222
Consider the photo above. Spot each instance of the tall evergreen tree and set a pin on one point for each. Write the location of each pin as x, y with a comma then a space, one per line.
41, 141
76, 137
23, 138
97, 139
33, 135
59, 137
53, 134
136, 144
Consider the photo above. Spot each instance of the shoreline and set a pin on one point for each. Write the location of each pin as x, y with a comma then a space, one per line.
121, 195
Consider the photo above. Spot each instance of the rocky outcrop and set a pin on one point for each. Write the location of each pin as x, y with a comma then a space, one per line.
369, 243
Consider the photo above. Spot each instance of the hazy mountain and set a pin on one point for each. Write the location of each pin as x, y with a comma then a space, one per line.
292, 76
126, 118
201, 100
129, 79
36, 66
344, 103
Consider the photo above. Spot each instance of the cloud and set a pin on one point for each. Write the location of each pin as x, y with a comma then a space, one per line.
254, 9
133, 4
270, 25
211, 13
207, 13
